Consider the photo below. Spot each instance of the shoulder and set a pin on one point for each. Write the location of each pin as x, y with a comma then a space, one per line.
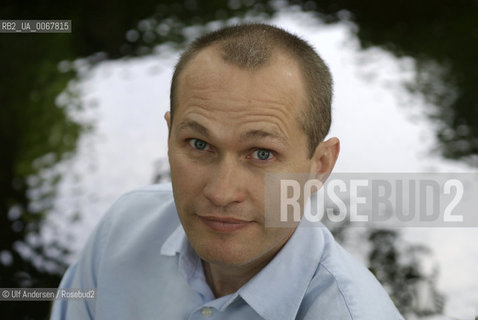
142, 211
147, 195
132, 230
139, 219
151, 199
342, 282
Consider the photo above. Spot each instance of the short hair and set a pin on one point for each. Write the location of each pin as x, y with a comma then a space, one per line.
250, 46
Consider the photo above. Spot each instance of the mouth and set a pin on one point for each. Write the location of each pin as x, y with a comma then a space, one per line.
224, 224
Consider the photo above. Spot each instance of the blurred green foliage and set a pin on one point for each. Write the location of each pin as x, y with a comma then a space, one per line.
442, 38
400, 272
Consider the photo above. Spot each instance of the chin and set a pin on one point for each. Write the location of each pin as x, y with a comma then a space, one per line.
223, 255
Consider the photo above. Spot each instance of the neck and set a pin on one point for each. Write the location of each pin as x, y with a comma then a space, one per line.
224, 280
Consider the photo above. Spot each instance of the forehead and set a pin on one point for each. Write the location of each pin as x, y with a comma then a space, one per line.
209, 86
208, 69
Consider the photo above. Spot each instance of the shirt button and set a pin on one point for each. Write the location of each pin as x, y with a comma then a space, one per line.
206, 312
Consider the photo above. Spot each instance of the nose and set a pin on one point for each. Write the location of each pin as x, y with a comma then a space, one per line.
226, 184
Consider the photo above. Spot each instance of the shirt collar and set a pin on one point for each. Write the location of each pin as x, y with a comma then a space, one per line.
189, 263
175, 243
277, 291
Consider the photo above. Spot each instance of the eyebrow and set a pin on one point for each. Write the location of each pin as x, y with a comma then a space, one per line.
193, 125
252, 134
261, 134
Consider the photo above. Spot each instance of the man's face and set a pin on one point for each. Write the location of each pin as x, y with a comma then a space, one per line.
231, 127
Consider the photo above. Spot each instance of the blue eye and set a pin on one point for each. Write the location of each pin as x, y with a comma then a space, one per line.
198, 144
262, 154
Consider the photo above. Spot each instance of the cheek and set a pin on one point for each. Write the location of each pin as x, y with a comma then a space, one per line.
186, 175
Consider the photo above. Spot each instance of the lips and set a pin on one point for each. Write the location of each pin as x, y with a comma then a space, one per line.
224, 224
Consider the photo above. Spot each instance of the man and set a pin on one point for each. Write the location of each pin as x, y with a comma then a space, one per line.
246, 101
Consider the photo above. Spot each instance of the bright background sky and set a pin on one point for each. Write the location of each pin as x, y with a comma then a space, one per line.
382, 128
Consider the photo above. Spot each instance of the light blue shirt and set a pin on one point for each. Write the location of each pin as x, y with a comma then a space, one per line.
143, 267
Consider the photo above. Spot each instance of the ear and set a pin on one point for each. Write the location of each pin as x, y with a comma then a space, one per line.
324, 158
167, 117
